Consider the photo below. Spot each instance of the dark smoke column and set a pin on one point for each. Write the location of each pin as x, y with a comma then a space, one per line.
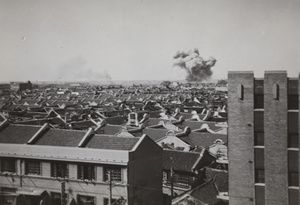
196, 67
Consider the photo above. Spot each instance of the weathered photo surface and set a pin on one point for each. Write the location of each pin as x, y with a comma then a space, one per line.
141, 102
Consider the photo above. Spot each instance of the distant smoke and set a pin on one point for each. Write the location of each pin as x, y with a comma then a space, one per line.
76, 70
196, 67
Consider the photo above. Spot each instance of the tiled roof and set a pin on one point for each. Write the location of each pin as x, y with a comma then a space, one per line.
203, 139
118, 120
207, 193
17, 134
179, 160
112, 142
1, 118
59, 137
155, 133
220, 178
109, 129
184, 115
83, 124
197, 124
153, 121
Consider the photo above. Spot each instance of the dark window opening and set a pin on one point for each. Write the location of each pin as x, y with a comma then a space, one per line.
8, 199
85, 200
181, 180
293, 168
114, 173
293, 140
259, 195
8, 190
293, 196
86, 171
293, 102
259, 138
106, 201
55, 198
259, 176
8, 165
258, 101
59, 169
32, 167
293, 179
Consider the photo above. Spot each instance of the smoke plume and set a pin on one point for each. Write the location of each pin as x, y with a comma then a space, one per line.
197, 68
77, 69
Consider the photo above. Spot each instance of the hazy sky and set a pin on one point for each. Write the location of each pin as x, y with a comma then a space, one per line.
136, 40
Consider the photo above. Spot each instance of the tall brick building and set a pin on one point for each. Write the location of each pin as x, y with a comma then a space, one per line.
263, 138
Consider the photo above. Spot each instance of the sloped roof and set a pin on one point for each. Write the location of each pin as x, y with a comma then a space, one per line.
203, 139
155, 133
109, 129
60, 137
2, 118
112, 142
220, 178
179, 160
207, 193
117, 120
17, 134
83, 124
197, 124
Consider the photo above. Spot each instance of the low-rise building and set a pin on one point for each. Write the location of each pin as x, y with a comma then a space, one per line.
42, 165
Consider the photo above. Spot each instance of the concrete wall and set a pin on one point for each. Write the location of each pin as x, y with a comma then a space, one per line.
145, 174
275, 126
241, 138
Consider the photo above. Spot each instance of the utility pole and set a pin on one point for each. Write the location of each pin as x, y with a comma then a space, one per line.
63, 192
110, 187
21, 174
172, 181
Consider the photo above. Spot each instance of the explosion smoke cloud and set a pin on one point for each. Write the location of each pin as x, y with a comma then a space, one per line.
197, 68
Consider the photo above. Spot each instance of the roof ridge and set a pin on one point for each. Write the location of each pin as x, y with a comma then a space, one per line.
24, 125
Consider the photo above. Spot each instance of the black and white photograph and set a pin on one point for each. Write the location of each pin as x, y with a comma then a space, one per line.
147, 102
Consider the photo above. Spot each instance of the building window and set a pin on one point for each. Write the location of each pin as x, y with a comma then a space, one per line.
165, 176
293, 102
293, 132
6, 196
259, 176
114, 173
55, 198
32, 167
259, 138
8, 199
86, 171
59, 169
8, 165
259, 195
258, 101
8, 190
106, 201
258, 128
85, 200
182, 180
293, 179
241, 91
293, 196
293, 140
293, 169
